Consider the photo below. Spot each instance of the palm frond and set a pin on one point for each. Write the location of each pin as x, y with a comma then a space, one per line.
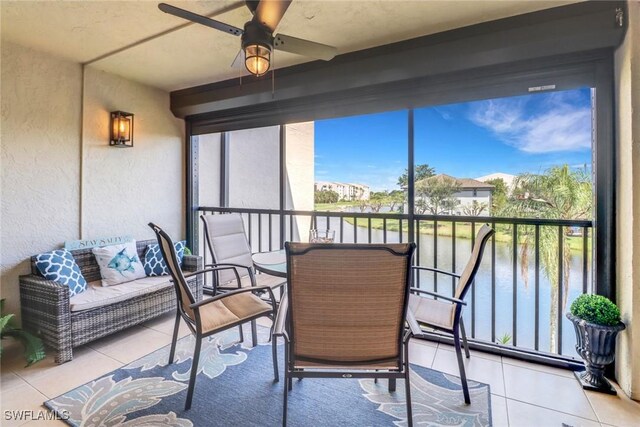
33, 346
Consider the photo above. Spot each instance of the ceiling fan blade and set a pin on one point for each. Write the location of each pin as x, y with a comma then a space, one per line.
270, 12
238, 62
194, 17
304, 47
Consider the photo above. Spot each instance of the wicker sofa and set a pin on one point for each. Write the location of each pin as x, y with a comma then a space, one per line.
48, 310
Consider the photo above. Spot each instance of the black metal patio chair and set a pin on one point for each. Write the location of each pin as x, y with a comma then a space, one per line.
445, 313
344, 313
209, 316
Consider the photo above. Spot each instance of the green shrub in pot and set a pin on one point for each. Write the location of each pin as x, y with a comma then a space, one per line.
597, 322
596, 309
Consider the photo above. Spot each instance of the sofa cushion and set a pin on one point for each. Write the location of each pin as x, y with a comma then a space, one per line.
119, 263
154, 264
61, 267
97, 295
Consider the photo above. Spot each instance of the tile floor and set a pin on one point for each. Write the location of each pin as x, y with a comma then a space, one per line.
523, 394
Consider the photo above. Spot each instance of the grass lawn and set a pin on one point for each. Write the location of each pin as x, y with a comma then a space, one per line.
334, 207
463, 230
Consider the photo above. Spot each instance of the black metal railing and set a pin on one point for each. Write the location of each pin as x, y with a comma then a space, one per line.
501, 301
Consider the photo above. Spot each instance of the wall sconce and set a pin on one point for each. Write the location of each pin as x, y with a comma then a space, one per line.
121, 129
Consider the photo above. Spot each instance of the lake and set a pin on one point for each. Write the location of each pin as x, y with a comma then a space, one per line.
480, 325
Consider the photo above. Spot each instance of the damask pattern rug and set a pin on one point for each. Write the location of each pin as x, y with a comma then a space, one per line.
235, 387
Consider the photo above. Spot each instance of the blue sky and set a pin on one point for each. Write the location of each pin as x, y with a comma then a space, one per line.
511, 135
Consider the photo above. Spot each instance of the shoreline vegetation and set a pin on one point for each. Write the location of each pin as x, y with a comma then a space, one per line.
445, 229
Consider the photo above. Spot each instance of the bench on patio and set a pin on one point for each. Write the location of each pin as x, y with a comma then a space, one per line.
65, 322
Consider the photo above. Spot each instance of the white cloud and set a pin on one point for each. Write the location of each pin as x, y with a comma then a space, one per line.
561, 126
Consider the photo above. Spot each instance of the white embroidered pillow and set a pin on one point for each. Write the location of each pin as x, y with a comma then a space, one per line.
119, 263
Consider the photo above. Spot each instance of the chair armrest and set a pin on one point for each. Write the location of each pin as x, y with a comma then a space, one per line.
448, 273
197, 305
46, 310
414, 327
192, 263
208, 269
280, 322
227, 264
453, 300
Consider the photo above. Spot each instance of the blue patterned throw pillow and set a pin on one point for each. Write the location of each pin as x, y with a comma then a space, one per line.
154, 264
60, 267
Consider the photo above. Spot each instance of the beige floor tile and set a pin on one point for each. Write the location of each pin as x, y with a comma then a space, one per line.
537, 367
264, 321
9, 380
20, 405
425, 342
526, 415
165, 325
13, 356
546, 390
499, 415
617, 410
47, 423
474, 353
422, 354
477, 368
132, 344
52, 379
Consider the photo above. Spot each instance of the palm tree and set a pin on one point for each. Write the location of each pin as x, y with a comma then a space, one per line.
558, 193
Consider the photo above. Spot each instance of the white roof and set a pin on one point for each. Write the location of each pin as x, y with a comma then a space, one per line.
507, 178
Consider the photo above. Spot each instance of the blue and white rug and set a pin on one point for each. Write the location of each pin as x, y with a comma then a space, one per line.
235, 388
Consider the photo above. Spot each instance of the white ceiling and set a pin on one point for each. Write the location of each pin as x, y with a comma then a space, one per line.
83, 31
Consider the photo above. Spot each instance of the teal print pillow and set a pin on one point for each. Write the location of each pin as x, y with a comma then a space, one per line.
60, 266
154, 264
119, 263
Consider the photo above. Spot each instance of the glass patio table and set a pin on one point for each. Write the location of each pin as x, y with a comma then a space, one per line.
273, 263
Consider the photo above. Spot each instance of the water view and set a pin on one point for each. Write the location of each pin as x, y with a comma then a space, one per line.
521, 157
480, 324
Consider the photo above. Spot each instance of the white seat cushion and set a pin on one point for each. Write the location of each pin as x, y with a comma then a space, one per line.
432, 312
97, 295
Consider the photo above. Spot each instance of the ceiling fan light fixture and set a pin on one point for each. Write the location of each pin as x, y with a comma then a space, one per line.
257, 59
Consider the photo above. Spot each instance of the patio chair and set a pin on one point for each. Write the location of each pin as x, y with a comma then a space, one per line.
344, 313
228, 245
212, 315
445, 313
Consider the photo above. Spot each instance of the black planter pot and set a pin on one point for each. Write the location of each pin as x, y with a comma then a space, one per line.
596, 344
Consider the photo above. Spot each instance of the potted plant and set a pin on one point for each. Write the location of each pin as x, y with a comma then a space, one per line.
33, 347
597, 323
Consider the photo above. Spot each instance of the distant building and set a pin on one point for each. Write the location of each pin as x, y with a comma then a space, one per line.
348, 192
508, 179
470, 190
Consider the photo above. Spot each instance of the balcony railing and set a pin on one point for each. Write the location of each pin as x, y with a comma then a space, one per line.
516, 304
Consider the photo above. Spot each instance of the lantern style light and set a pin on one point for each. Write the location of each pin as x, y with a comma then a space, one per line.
121, 129
257, 59
257, 44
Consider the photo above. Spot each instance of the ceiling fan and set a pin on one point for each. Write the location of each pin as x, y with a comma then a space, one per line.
257, 39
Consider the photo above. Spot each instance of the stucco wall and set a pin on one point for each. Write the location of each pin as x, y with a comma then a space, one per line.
254, 165
300, 138
47, 153
627, 62
125, 188
40, 167
209, 169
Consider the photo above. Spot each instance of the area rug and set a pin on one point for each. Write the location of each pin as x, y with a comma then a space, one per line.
235, 387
